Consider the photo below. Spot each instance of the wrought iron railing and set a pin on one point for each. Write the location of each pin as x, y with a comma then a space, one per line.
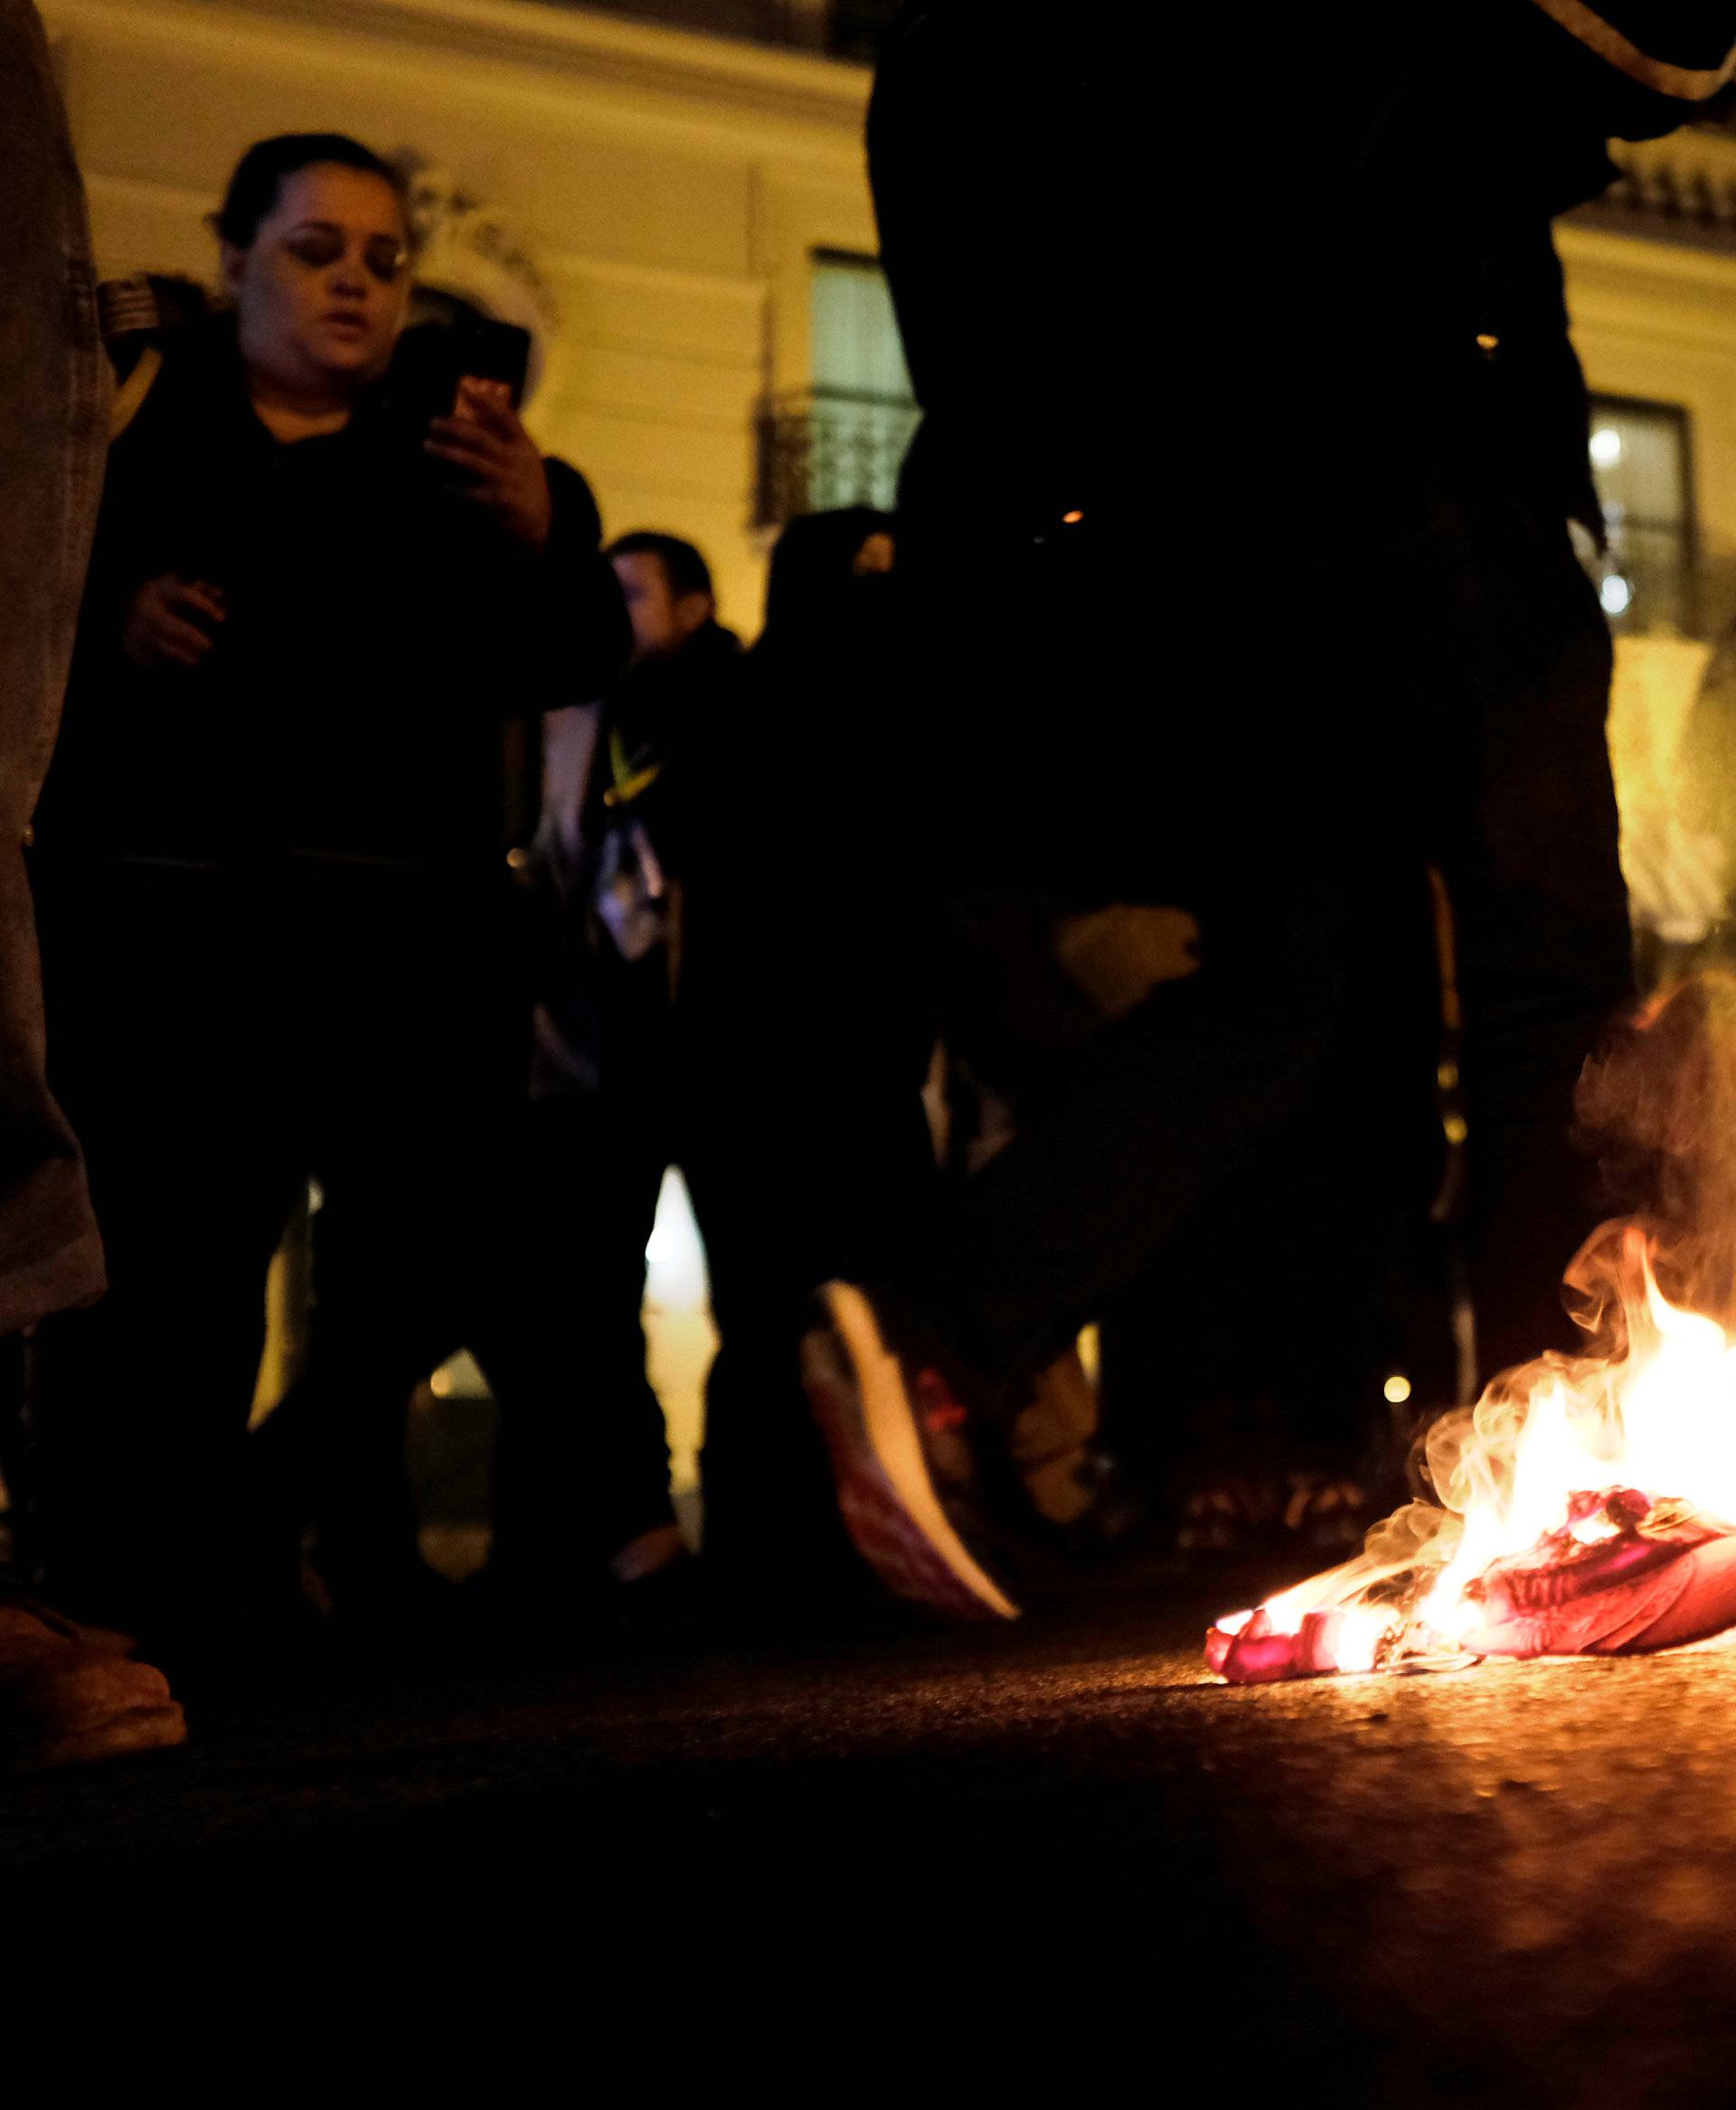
824, 447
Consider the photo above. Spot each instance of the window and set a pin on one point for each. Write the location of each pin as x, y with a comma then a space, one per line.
841, 442
1640, 457
857, 350
864, 409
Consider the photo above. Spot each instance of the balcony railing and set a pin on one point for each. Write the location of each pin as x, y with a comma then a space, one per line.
821, 449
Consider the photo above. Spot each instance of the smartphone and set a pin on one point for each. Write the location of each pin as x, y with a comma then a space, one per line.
435, 354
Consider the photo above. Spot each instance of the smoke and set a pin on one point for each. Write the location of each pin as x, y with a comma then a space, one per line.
1659, 1106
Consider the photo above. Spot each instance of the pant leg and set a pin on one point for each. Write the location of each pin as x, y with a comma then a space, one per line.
1544, 950
1136, 1131
159, 1001
1465, 725
53, 436
802, 1170
390, 1294
581, 1465
405, 1045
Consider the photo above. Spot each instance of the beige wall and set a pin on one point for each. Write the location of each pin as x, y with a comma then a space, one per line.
1657, 321
671, 188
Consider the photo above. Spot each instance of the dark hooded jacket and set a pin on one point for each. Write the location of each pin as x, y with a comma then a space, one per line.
381, 629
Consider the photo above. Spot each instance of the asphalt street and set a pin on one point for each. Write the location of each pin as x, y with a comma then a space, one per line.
1514, 1883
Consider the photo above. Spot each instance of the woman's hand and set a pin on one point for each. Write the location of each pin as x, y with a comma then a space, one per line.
484, 438
172, 621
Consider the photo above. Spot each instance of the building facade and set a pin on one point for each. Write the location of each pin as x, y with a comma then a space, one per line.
650, 199
1651, 280
682, 216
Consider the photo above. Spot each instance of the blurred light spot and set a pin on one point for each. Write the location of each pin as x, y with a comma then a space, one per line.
1447, 1076
440, 1384
518, 858
1455, 1128
1615, 593
675, 1258
1397, 1387
1605, 447
1487, 340
1072, 519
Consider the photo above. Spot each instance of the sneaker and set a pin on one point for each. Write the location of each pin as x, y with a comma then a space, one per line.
71, 1694
900, 1457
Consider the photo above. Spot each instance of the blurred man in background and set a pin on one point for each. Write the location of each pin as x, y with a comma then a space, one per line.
582, 1512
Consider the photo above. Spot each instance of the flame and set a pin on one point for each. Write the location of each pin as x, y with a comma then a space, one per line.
1570, 1453
1660, 1418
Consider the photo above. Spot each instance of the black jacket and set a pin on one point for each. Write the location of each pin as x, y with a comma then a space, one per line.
672, 714
380, 629
663, 762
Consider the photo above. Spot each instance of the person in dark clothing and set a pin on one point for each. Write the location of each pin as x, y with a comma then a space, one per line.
581, 1500
1292, 790
280, 936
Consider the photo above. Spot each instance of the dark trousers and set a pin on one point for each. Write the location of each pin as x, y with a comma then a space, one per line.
1455, 720
817, 1166
220, 1040
577, 1477
801, 1162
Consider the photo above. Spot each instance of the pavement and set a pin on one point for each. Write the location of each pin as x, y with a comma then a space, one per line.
1511, 1884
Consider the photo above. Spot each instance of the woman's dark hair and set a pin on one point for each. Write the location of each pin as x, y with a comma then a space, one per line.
258, 176
812, 561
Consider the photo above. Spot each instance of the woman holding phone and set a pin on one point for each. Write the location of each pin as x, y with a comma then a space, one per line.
278, 929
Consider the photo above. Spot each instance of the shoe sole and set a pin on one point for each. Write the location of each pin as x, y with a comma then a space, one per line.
886, 1496
85, 1708
126, 1735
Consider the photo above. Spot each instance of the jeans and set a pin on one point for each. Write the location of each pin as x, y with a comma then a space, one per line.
53, 407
